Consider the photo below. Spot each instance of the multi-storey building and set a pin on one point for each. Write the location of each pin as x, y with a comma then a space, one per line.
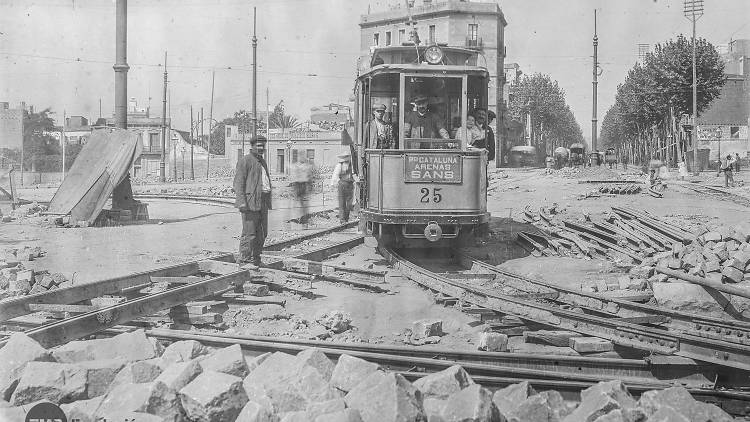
11, 126
455, 23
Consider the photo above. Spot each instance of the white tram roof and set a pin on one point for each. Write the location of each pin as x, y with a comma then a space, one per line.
404, 59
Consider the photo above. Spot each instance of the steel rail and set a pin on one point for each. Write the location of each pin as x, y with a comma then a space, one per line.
621, 333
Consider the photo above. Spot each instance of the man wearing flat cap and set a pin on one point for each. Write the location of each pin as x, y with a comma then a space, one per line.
343, 179
422, 123
252, 186
379, 133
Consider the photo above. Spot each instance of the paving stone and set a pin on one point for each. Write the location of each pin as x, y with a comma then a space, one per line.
712, 236
557, 338
321, 408
255, 289
17, 352
350, 371
688, 297
153, 397
131, 346
723, 255
680, 400
592, 408
52, 381
293, 390
711, 266
509, 398
137, 373
732, 275
315, 358
278, 365
253, 363
213, 396
82, 410
624, 415
614, 389
183, 351
100, 375
740, 260
254, 412
386, 398
658, 278
346, 415
714, 276
547, 406
296, 416
473, 403
179, 374
426, 328
590, 344
228, 360
667, 414
433, 409
492, 342
256, 392
444, 383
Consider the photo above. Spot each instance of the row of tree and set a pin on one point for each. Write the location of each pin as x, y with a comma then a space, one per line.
642, 124
243, 119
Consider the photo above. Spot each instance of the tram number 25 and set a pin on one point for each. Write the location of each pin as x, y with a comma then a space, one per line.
430, 195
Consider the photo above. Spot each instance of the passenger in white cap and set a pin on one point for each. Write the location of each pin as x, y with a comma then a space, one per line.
343, 178
379, 133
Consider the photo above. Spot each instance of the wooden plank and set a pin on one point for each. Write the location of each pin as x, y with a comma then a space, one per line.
323, 268
18, 306
69, 329
176, 280
208, 318
54, 307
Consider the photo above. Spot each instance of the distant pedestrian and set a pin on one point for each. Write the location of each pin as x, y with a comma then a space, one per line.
343, 179
301, 175
727, 166
682, 169
252, 186
737, 162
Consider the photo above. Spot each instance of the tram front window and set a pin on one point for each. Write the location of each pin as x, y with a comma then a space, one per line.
432, 112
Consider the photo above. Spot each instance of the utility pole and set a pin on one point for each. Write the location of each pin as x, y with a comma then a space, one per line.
594, 83
121, 65
210, 121
192, 142
200, 119
174, 144
693, 11
255, 78
268, 116
162, 165
100, 108
62, 142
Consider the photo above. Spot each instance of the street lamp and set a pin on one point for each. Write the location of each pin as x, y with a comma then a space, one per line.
693, 11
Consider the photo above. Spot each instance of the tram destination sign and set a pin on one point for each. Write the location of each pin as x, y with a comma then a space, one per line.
433, 168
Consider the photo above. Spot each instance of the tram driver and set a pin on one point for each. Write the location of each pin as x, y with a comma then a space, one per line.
422, 123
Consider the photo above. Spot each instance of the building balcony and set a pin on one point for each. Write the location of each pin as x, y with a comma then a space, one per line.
474, 43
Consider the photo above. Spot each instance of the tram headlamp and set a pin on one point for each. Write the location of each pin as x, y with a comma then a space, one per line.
433, 54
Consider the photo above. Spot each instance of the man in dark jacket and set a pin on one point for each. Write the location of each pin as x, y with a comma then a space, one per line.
488, 143
252, 185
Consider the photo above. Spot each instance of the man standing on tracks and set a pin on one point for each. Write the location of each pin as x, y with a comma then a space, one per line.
343, 179
423, 123
252, 185
726, 167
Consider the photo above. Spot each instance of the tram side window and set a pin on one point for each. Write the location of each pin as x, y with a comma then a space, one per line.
380, 112
433, 111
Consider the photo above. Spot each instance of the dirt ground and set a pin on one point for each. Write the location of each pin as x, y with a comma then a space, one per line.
179, 232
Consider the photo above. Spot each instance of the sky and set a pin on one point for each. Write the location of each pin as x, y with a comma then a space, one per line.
59, 53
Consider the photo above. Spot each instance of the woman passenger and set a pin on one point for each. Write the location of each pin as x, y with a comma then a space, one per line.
469, 134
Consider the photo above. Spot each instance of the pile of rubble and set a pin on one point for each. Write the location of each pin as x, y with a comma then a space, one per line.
17, 280
132, 377
23, 211
222, 190
593, 173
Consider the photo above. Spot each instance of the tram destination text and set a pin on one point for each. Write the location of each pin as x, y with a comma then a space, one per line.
433, 168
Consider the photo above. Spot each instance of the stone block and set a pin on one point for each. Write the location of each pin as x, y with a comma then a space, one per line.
614, 389
732, 245
177, 375
674, 263
658, 278
82, 410
680, 400
557, 338
473, 403
292, 389
131, 346
52, 381
732, 275
253, 363
100, 375
316, 359
723, 255
137, 373
509, 398
278, 366
17, 352
492, 342
296, 416
154, 398
346, 415
545, 406
213, 396
444, 383
712, 236
321, 408
601, 286
590, 344
433, 409
255, 289
254, 412
336, 321
714, 276
692, 260
350, 371
688, 297
626, 415
424, 328
183, 351
740, 260
667, 414
595, 406
646, 272
711, 266
386, 398
228, 360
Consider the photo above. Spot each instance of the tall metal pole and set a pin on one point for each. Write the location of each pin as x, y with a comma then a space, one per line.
121, 65
594, 83
210, 121
62, 142
694, 10
200, 119
162, 165
174, 144
192, 142
255, 78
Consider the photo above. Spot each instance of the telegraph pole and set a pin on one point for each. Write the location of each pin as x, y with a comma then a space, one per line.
174, 144
62, 142
594, 83
162, 165
192, 142
255, 78
693, 11
121, 65
210, 121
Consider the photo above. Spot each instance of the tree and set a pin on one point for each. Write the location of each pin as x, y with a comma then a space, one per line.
38, 142
243, 119
552, 122
280, 120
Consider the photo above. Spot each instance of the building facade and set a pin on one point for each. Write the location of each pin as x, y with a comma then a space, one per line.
723, 127
11, 126
455, 23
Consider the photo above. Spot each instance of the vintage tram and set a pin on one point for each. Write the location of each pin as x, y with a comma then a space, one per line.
425, 187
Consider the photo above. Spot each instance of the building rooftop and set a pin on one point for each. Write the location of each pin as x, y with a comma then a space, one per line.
435, 8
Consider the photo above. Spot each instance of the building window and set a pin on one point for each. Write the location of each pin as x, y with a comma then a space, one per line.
280, 160
311, 156
153, 141
734, 131
294, 155
229, 132
432, 35
473, 34
388, 38
376, 39
401, 36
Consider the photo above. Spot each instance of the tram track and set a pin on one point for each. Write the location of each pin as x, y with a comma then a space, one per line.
719, 193
548, 313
